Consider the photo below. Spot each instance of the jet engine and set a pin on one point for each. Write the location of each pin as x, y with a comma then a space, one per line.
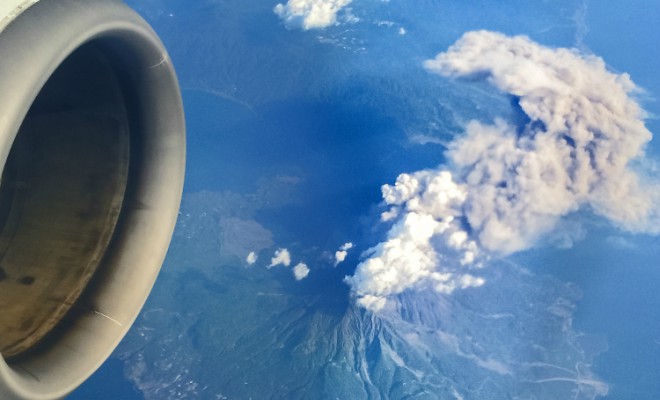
92, 144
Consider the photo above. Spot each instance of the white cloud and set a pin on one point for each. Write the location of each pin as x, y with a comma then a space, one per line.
373, 303
300, 271
507, 186
311, 14
251, 258
390, 214
281, 257
340, 255
406, 260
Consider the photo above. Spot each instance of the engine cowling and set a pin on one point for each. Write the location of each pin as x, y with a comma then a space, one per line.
92, 143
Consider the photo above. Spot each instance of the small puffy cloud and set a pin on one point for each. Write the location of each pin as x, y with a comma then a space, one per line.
310, 14
251, 258
340, 255
300, 271
281, 257
509, 185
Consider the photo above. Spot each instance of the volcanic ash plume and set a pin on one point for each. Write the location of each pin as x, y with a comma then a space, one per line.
506, 185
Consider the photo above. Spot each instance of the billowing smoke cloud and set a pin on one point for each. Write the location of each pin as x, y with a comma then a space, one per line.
310, 14
300, 271
281, 257
340, 255
508, 185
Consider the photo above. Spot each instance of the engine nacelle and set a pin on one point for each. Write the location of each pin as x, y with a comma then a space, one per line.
92, 140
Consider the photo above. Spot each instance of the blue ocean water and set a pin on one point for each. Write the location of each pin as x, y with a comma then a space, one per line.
618, 277
108, 383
